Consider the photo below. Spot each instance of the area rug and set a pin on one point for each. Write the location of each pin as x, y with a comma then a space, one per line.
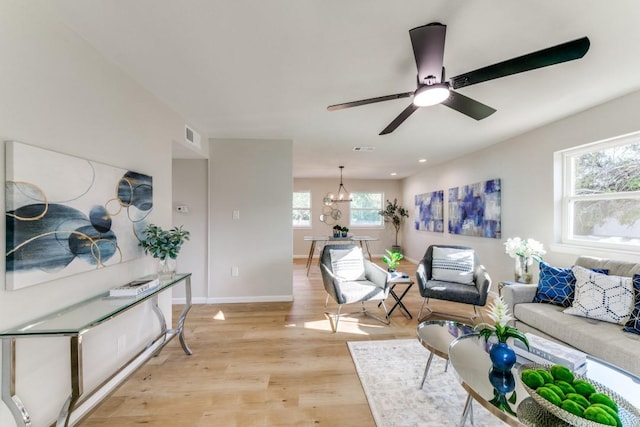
390, 372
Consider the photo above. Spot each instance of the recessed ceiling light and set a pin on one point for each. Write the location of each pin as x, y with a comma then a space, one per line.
423, 160
393, 174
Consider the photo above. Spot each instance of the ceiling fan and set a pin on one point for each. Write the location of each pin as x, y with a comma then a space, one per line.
433, 88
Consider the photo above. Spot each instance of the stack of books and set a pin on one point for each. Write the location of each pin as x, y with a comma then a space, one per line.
134, 288
549, 352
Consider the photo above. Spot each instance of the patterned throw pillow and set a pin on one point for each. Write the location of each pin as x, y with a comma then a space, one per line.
557, 285
602, 297
633, 324
452, 265
347, 264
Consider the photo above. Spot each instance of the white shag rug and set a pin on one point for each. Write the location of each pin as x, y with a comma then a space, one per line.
390, 372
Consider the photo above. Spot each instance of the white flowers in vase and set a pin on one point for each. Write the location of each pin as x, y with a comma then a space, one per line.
526, 248
524, 252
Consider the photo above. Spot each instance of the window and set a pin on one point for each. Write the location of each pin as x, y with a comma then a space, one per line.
302, 209
601, 194
365, 209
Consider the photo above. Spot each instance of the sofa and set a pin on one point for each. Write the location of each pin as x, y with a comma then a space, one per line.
601, 339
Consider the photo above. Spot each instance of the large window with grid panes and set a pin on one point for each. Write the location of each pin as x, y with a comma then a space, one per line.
601, 194
365, 210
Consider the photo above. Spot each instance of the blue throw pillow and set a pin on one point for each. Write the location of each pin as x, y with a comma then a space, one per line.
633, 324
557, 285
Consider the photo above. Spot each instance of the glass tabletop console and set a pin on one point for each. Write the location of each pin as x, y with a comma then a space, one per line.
73, 322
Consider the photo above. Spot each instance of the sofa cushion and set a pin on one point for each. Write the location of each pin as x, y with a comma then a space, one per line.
633, 324
603, 340
347, 264
602, 297
452, 265
557, 285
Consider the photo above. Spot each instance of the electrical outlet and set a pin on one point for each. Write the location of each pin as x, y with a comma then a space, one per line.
235, 272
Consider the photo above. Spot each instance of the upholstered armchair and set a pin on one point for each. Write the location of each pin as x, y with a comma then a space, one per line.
350, 278
452, 273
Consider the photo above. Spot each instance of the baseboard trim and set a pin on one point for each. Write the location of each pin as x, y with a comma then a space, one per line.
236, 300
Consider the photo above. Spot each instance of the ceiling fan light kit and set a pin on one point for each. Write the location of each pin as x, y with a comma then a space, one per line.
428, 49
428, 95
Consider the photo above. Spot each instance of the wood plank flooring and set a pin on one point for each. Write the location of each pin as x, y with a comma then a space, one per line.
260, 364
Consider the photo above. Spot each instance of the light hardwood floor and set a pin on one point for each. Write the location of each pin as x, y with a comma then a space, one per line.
260, 364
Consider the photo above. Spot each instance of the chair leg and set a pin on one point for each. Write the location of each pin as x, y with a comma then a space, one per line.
334, 318
424, 304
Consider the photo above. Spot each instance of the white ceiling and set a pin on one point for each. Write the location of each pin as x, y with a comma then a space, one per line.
268, 69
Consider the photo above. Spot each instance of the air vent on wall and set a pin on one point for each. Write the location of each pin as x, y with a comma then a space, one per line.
364, 148
191, 136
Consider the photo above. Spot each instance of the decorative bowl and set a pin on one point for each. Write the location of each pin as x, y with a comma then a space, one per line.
628, 414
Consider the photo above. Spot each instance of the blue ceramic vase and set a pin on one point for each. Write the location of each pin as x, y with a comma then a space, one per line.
502, 357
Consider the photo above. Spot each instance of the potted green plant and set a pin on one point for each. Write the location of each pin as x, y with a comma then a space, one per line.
345, 231
337, 230
392, 259
164, 245
395, 214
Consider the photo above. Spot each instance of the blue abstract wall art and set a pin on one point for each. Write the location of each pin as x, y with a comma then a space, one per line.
474, 210
65, 215
429, 211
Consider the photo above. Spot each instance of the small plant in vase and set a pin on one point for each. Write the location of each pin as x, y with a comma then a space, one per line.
502, 356
392, 259
345, 231
164, 245
337, 230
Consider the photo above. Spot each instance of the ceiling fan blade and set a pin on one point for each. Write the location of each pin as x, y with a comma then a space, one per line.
428, 49
470, 107
398, 120
543, 58
369, 101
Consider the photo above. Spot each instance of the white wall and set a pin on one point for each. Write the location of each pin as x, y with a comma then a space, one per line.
58, 93
190, 179
525, 166
253, 177
320, 187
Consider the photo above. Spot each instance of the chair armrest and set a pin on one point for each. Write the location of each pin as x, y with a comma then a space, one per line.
518, 293
483, 283
375, 274
330, 281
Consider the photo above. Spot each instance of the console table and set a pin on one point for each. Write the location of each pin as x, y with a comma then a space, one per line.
75, 321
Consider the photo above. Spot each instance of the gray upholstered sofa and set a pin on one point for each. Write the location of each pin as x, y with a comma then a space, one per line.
601, 339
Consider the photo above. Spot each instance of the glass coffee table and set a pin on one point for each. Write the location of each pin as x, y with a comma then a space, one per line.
436, 336
470, 360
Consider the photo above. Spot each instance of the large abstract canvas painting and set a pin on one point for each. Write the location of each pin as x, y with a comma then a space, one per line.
66, 215
429, 210
474, 210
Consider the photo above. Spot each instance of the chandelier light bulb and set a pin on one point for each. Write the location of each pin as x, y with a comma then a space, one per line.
429, 95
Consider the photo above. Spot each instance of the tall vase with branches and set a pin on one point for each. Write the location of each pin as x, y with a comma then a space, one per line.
395, 214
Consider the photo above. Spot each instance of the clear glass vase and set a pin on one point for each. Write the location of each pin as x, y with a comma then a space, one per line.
523, 272
166, 268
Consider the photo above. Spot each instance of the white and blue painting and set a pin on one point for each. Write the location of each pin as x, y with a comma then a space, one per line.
66, 215
474, 210
429, 210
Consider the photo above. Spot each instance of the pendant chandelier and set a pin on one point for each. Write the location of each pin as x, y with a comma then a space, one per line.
341, 196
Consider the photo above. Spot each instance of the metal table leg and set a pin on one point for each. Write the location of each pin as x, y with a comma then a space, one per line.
9, 397
76, 382
426, 369
310, 259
